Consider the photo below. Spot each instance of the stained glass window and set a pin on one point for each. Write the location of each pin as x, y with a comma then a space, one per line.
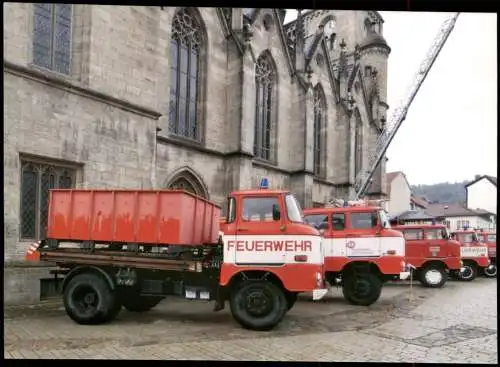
185, 49
265, 83
52, 36
36, 181
319, 126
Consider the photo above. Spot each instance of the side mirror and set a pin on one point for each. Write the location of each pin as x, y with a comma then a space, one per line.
276, 212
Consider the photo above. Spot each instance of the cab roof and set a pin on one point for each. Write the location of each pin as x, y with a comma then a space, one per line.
353, 209
262, 192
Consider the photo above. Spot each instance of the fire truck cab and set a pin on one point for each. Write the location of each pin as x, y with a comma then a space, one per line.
473, 253
430, 252
361, 250
490, 239
261, 260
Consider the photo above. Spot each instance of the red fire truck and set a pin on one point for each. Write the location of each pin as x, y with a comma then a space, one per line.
361, 251
490, 239
474, 254
430, 252
101, 241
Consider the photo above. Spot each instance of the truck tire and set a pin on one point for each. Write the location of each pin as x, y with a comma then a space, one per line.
491, 270
139, 303
89, 300
469, 273
258, 305
432, 276
291, 298
361, 289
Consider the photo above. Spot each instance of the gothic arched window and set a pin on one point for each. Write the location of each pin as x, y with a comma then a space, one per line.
187, 181
265, 84
319, 129
358, 145
185, 68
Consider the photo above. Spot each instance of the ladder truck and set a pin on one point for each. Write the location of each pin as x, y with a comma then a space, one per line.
364, 177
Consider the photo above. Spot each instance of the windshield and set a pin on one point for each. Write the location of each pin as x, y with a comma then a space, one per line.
435, 234
318, 221
467, 237
293, 209
384, 220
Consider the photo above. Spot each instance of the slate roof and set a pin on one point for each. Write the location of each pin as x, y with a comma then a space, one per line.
419, 201
454, 210
413, 215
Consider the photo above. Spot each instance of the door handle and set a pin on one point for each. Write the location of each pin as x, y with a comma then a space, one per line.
242, 229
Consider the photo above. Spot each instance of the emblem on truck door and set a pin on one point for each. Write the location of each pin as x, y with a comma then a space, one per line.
350, 244
434, 250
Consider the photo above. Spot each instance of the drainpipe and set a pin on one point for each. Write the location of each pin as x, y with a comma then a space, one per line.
153, 162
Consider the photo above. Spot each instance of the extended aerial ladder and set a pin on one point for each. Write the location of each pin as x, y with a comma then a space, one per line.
364, 177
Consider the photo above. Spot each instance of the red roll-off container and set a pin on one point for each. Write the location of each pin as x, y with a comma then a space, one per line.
164, 217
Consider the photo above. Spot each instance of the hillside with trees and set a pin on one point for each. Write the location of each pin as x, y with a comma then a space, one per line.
444, 192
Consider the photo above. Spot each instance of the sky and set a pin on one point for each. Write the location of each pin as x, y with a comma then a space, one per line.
450, 132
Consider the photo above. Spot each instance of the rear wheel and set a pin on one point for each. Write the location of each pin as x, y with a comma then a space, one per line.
88, 299
491, 270
139, 303
469, 272
258, 305
432, 276
361, 289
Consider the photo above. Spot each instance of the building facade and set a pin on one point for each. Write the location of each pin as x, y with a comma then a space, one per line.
205, 99
482, 193
398, 193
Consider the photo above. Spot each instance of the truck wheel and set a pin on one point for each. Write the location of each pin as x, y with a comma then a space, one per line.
361, 289
490, 271
469, 273
141, 303
291, 298
432, 276
88, 300
258, 305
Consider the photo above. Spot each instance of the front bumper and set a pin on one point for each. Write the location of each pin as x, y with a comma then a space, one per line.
319, 293
404, 275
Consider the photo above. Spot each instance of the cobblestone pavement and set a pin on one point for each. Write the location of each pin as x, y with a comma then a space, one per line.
455, 324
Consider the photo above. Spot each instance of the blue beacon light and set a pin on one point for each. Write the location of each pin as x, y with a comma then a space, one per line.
264, 183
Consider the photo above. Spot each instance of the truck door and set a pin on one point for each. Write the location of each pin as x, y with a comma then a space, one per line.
338, 235
321, 223
260, 237
414, 246
435, 245
363, 235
